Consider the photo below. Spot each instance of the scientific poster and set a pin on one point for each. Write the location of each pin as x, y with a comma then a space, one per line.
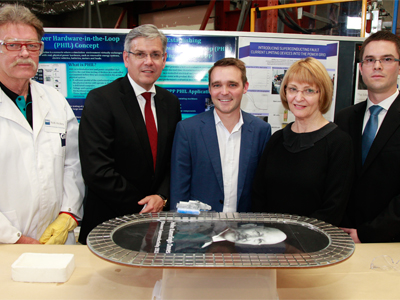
76, 63
186, 72
267, 60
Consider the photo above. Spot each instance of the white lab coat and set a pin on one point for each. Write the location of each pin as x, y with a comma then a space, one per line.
39, 177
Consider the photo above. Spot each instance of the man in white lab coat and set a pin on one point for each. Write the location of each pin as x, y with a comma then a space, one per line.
41, 187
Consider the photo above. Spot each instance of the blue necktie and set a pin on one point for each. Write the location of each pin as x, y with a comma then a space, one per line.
370, 130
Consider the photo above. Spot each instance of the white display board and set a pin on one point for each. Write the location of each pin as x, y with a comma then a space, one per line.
267, 60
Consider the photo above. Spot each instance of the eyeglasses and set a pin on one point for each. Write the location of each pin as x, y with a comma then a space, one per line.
143, 55
292, 91
369, 62
34, 47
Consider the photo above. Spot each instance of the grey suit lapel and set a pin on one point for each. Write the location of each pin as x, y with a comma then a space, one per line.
209, 136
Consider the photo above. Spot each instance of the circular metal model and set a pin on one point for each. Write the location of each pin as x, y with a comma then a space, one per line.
220, 240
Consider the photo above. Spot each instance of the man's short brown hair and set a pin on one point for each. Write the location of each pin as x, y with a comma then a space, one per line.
382, 35
229, 61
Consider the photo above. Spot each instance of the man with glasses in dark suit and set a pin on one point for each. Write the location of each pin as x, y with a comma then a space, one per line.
126, 133
373, 214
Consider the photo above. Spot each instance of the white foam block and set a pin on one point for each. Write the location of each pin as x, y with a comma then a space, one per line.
43, 267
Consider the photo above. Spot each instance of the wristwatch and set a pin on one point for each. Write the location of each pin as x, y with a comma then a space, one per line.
164, 198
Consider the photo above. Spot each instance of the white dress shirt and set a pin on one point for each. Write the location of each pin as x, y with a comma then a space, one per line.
229, 149
385, 104
142, 102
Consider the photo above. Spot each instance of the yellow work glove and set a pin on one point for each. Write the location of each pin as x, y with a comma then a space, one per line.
57, 232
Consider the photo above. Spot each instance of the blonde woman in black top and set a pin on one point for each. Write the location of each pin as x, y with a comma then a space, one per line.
306, 168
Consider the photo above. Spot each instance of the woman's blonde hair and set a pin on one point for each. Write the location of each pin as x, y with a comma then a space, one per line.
311, 71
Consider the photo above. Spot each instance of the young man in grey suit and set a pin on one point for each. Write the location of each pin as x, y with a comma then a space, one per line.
215, 154
373, 214
126, 133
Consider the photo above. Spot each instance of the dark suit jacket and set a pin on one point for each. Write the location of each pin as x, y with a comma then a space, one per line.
196, 172
117, 163
374, 208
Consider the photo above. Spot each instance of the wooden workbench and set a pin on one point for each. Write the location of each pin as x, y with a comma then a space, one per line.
95, 278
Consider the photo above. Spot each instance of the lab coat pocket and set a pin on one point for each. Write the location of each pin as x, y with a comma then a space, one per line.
58, 142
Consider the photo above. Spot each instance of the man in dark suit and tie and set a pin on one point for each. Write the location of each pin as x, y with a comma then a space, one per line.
126, 133
215, 154
373, 214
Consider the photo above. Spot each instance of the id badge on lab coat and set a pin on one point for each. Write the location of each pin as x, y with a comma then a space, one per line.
55, 125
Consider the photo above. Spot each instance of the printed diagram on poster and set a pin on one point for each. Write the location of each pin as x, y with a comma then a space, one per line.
76, 63
267, 60
54, 75
360, 89
361, 92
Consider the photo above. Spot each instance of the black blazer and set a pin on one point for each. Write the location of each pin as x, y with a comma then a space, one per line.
374, 208
115, 153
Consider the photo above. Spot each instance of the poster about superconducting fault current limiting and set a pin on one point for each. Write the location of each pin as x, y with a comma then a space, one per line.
267, 61
75, 63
